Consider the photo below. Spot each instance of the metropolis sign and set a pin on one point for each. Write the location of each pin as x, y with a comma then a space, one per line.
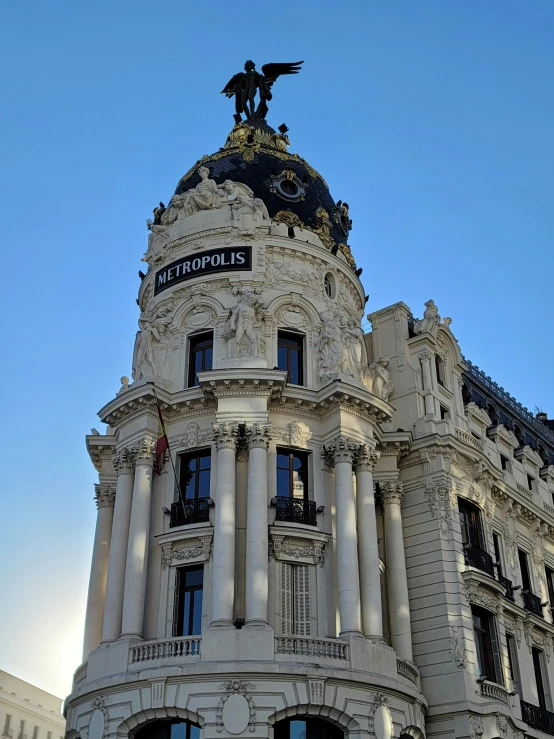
226, 259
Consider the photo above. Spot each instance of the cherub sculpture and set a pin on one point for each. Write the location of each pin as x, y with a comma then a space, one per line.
245, 85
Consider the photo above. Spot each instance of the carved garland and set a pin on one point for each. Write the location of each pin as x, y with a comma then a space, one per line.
284, 546
187, 549
378, 699
458, 647
236, 687
100, 703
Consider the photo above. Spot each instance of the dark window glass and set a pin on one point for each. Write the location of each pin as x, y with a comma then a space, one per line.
504, 461
292, 474
524, 567
470, 521
194, 474
550, 584
530, 481
201, 348
439, 365
290, 356
169, 730
486, 643
444, 413
537, 666
513, 663
497, 554
188, 601
306, 728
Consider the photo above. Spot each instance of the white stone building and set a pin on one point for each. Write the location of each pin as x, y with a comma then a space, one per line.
27, 712
349, 535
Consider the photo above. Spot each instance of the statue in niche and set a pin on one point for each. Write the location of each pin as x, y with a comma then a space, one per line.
430, 321
377, 378
354, 337
248, 211
152, 344
332, 350
241, 324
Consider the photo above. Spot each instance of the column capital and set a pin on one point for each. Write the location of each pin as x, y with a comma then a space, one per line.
145, 451
341, 449
426, 356
225, 435
258, 435
392, 491
366, 458
104, 495
123, 461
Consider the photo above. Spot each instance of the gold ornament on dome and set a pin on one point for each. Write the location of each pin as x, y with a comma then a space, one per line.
323, 228
345, 249
288, 218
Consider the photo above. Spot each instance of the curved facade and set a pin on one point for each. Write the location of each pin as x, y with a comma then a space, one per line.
280, 549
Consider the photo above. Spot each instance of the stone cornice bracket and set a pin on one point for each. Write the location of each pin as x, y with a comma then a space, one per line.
392, 491
341, 449
104, 495
145, 451
123, 461
258, 435
366, 458
225, 435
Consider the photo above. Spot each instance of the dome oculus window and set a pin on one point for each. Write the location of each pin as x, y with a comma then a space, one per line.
288, 186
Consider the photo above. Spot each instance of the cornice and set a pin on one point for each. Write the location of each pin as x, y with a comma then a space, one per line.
100, 448
241, 382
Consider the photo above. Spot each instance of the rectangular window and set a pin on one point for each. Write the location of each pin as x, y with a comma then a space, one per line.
187, 615
35, 732
539, 677
201, 348
550, 583
513, 663
504, 463
486, 644
439, 365
22, 734
295, 599
292, 474
290, 356
7, 730
194, 474
470, 521
530, 482
445, 413
497, 554
524, 568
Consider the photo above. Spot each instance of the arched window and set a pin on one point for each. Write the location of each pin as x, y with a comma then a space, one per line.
493, 415
306, 728
169, 729
519, 435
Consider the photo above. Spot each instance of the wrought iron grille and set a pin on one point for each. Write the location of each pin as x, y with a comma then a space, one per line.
479, 558
296, 510
508, 587
537, 718
185, 512
532, 603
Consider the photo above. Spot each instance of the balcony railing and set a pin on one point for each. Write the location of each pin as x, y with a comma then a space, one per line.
476, 557
495, 692
296, 510
185, 512
306, 646
532, 603
537, 718
166, 649
508, 587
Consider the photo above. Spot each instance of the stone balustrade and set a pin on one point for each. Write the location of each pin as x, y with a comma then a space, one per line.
305, 646
405, 669
496, 692
165, 649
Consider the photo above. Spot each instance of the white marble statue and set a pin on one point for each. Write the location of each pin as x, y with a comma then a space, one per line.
430, 321
156, 242
354, 337
205, 196
152, 344
333, 353
248, 211
241, 324
377, 378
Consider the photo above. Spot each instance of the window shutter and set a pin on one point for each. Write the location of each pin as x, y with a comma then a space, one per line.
302, 600
286, 598
176, 600
499, 672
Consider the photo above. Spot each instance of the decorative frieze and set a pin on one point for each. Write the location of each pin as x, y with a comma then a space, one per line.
481, 597
198, 548
104, 495
225, 435
294, 434
194, 436
306, 551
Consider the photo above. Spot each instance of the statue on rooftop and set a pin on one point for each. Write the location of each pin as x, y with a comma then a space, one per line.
245, 85
430, 321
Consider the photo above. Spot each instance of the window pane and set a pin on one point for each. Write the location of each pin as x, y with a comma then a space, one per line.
205, 461
194, 576
208, 355
198, 361
299, 485
283, 482
204, 484
282, 460
191, 486
178, 731
194, 732
297, 730
186, 613
293, 369
282, 358
197, 613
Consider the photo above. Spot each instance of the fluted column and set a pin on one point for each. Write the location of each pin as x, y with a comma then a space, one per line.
124, 463
137, 549
399, 603
368, 548
223, 596
340, 453
425, 359
256, 525
105, 498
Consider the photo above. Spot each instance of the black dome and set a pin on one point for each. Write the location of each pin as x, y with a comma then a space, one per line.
302, 190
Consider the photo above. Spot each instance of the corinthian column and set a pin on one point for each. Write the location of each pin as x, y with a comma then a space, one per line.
340, 453
425, 359
137, 548
105, 497
225, 436
124, 463
256, 525
368, 550
397, 581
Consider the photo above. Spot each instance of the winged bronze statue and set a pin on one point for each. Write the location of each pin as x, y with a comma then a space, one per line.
245, 85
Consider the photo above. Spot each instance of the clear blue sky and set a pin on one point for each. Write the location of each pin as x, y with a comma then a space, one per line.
432, 118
